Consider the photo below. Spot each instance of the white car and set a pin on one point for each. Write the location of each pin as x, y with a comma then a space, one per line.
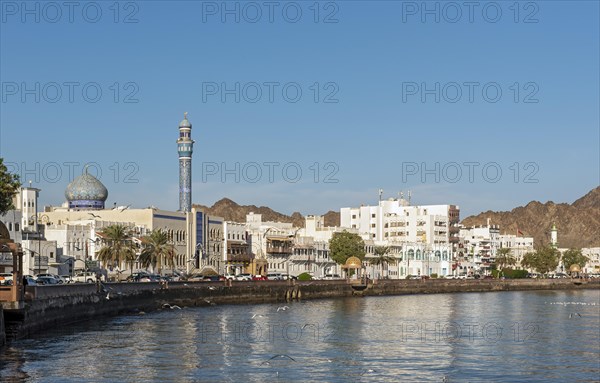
243, 277
6, 278
274, 277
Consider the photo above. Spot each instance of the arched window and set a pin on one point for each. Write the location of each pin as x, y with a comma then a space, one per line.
437, 255
418, 254
445, 255
411, 254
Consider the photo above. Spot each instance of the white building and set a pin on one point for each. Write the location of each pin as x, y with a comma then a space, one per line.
24, 228
592, 266
518, 245
422, 239
236, 249
271, 243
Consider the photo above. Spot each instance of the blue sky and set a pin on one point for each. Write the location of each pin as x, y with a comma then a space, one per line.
377, 61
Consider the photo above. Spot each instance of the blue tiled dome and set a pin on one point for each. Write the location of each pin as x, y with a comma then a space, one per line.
86, 192
185, 123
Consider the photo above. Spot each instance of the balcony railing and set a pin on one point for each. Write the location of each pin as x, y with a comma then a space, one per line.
279, 250
243, 257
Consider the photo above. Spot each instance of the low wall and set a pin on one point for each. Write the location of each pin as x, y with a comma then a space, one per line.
51, 306
2, 332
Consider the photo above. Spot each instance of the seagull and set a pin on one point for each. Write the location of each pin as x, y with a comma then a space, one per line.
108, 296
125, 208
212, 288
572, 315
278, 356
209, 302
282, 308
257, 315
369, 371
166, 305
94, 215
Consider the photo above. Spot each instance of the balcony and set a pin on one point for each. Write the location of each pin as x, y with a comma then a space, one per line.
282, 250
240, 258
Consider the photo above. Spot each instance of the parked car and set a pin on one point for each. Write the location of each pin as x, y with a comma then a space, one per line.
66, 278
135, 277
29, 280
243, 277
6, 279
230, 277
150, 278
259, 278
84, 278
561, 275
46, 280
274, 277
330, 277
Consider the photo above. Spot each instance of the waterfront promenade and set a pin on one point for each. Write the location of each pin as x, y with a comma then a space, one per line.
51, 306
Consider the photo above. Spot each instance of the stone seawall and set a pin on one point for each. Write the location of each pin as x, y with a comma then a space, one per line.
2, 332
52, 306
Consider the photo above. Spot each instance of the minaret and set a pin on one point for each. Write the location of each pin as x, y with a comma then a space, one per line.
185, 148
554, 236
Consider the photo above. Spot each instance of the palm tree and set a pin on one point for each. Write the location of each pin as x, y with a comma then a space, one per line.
381, 257
118, 246
157, 250
504, 258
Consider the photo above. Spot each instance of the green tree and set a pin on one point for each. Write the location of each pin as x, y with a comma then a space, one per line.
344, 245
504, 258
9, 186
157, 250
381, 257
118, 246
543, 260
573, 257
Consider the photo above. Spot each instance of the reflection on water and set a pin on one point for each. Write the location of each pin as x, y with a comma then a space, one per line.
476, 337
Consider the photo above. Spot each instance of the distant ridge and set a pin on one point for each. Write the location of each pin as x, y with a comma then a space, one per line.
578, 223
231, 211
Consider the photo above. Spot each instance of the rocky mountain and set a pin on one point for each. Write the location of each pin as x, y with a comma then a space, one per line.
231, 211
578, 223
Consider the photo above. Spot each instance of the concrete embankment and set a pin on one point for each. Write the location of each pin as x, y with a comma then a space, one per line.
52, 306
2, 332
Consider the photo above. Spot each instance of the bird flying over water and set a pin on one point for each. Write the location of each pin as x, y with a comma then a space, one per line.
281, 356
283, 308
166, 305
572, 315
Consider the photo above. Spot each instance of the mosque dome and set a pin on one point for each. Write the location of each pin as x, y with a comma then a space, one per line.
86, 192
185, 123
